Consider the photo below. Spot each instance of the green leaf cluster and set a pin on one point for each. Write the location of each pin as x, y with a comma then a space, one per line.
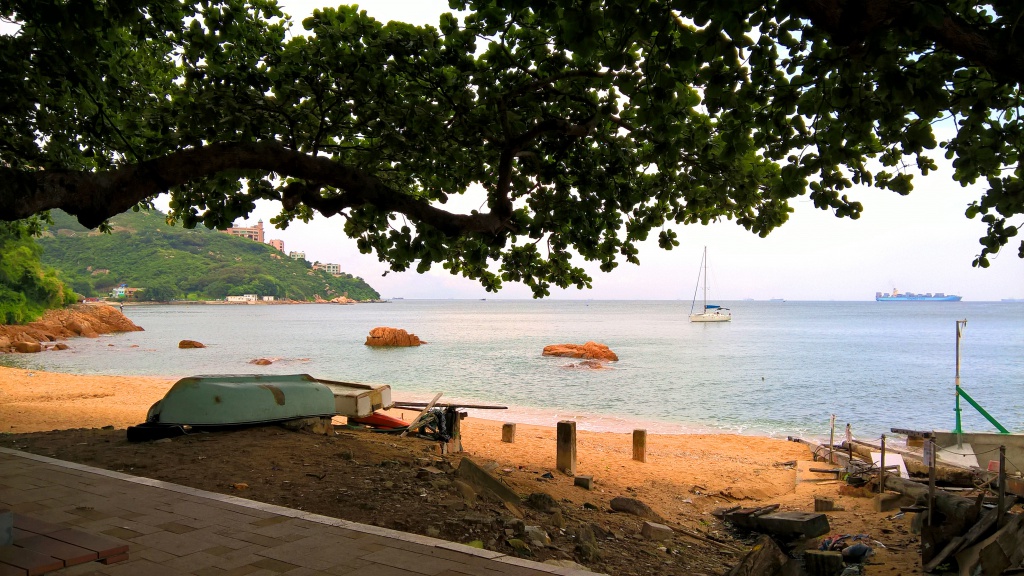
591, 126
27, 288
172, 263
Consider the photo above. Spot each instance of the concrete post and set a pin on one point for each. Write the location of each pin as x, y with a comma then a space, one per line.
566, 445
508, 432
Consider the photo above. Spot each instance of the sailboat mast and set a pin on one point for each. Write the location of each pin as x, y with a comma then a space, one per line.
705, 279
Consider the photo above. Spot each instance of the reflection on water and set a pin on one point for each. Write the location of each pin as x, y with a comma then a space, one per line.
778, 368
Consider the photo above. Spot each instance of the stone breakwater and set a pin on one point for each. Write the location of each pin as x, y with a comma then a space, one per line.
87, 320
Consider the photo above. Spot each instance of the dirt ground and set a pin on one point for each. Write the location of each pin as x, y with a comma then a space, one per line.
404, 484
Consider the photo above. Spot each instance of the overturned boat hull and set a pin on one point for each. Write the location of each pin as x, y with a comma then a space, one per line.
203, 402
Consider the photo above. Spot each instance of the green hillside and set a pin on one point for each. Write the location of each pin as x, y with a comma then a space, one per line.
170, 262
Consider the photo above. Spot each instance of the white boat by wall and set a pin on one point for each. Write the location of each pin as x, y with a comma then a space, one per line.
709, 312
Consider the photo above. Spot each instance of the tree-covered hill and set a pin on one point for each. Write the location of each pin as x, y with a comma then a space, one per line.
169, 262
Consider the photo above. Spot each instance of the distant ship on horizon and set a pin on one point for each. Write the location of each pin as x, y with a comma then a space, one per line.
896, 296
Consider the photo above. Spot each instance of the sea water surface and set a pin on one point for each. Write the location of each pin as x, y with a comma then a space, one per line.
779, 368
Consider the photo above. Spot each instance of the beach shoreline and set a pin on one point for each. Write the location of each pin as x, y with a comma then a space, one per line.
685, 476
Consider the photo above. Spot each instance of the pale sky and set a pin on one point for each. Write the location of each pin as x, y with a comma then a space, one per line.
919, 243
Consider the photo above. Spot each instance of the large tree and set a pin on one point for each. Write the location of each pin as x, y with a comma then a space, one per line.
589, 124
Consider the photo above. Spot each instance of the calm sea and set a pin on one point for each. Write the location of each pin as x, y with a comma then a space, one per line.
778, 368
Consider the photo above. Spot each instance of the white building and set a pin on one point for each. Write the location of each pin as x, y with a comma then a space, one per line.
242, 298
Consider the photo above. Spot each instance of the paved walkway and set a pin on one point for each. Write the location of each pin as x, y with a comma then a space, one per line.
173, 529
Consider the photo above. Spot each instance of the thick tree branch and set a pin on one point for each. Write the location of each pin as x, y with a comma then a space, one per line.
94, 197
849, 21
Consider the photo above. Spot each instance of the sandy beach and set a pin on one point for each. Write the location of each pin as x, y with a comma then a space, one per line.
684, 479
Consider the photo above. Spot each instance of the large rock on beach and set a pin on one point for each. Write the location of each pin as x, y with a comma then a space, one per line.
589, 351
385, 336
28, 347
185, 344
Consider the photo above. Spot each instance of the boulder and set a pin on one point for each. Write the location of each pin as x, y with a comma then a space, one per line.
28, 347
261, 362
636, 508
588, 365
60, 346
385, 336
589, 351
190, 344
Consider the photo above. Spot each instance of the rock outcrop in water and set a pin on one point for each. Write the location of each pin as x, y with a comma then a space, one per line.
88, 320
385, 336
186, 344
589, 351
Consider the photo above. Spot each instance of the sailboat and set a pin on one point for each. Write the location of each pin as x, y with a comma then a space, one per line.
709, 312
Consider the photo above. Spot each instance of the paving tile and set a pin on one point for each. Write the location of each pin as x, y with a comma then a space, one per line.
255, 538
151, 554
139, 567
176, 528
122, 533
270, 521
274, 565
177, 544
411, 561
192, 562
209, 571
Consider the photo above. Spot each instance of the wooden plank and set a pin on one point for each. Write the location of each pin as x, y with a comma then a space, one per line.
8, 570
101, 545
35, 525
508, 432
419, 419
640, 445
32, 562
69, 554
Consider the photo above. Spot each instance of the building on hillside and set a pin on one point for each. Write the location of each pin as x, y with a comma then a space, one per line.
254, 233
268, 298
124, 292
242, 298
332, 269
297, 255
278, 244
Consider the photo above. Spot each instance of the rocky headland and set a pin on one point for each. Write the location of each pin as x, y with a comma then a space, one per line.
86, 320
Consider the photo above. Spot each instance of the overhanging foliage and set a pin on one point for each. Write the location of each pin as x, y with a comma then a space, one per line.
591, 126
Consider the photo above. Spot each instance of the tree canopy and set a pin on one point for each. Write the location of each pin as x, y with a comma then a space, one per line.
590, 125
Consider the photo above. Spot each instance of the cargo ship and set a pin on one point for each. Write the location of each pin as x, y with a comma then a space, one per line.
896, 296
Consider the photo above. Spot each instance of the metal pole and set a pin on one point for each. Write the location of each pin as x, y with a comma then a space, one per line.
931, 479
1001, 503
831, 438
960, 324
881, 471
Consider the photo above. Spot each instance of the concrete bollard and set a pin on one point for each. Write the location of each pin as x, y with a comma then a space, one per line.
566, 447
640, 445
508, 432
